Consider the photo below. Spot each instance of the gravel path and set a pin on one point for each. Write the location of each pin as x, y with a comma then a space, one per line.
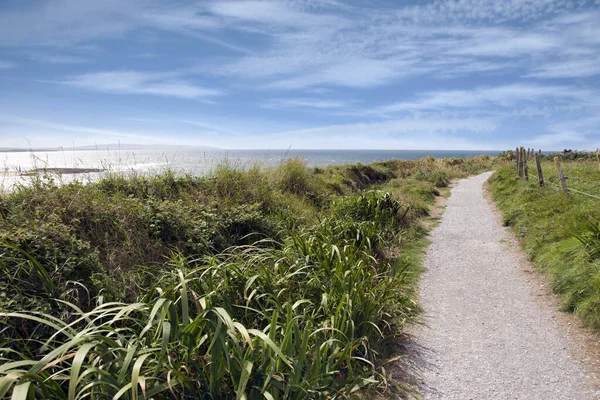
485, 335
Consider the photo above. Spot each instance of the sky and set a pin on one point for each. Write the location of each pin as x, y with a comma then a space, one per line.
301, 74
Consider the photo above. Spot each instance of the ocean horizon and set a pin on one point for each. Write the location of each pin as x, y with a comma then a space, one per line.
201, 161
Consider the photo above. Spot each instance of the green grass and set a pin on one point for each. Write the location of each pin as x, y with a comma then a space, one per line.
559, 234
249, 283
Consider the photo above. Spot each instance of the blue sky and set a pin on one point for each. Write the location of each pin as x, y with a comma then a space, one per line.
377, 74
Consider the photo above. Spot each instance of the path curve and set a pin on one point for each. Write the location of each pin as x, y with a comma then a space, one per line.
485, 335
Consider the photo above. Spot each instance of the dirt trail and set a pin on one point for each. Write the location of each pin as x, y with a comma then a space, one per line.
485, 335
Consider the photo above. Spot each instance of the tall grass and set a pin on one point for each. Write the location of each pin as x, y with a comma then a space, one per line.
300, 320
559, 234
249, 283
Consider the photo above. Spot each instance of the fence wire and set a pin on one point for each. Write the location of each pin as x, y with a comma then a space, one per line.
570, 188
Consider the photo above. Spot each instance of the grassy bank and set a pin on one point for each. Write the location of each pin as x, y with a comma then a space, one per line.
282, 283
560, 235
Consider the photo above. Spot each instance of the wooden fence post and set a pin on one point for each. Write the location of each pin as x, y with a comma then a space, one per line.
518, 154
563, 182
598, 157
525, 169
538, 164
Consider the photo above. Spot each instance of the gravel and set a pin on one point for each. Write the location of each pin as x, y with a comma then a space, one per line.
485, 335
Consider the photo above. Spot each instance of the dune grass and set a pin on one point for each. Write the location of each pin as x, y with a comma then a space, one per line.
560, 235
249, 283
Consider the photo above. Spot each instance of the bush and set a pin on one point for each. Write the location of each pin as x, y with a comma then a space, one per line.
294, 177
438, 178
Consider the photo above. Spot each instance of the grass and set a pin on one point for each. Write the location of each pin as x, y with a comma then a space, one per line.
560, 235
282, 283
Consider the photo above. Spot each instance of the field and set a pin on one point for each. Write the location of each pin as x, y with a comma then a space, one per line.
275, 283
561, 235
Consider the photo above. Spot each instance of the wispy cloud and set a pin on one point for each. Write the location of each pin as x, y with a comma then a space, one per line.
476, 65
562, 139
580, 68
391, 46
486, 10
311, 103
66, 22
45, 58
44, 131
135, 82
577, 133
394, 134
70, 22
491, 98
507, 43
356, 73
278, 15
308, 44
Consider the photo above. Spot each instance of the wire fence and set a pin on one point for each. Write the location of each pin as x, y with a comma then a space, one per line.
523, 156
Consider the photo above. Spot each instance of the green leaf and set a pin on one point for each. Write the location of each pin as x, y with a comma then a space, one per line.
76, 367
246, 372
7, 381
135, 375
21, 391
271, 344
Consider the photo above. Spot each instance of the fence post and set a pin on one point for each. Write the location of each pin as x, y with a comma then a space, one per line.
598, 157
518, 154
522, 161
563, 182
538, 164
525, 168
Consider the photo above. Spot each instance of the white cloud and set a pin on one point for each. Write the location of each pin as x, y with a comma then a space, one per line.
276, 14
311, 103
357, 73
490, 98
338, 50
309, 44
580, 68
71, 22
56, 58
577, 133
386, 47
66, 22
395, 134
134, 82
16, 129
399, 126
486, 10
553, 141
508, 44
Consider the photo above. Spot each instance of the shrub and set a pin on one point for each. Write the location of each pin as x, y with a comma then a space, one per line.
438, 178
294, 177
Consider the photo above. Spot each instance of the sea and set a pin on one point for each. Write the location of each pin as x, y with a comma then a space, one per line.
195, 161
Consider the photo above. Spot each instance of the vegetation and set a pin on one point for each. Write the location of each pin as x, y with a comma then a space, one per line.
560, 235
248, 283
